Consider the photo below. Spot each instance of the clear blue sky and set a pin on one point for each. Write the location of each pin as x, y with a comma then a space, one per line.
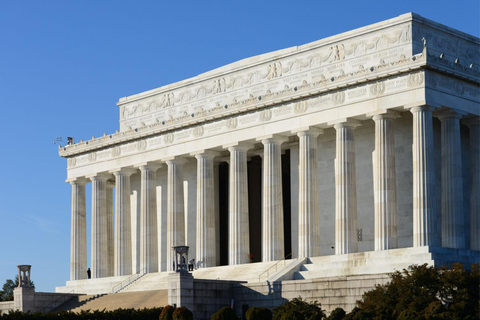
64, 65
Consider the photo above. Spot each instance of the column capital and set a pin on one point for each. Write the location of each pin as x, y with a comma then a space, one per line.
78, 181
473, 121
308, 131
123, 171
152, 166
273, 138
110, 184
383, 114
345, 123
242, 146
450, 114
103, 176
175, 161
425, 107
210, 154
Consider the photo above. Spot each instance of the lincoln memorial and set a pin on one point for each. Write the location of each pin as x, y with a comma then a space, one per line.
358, 154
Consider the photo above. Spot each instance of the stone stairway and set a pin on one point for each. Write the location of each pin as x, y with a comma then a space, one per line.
124, 300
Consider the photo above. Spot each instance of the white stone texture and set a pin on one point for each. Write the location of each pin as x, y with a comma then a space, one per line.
78, 240
99, 255
238, 241
272, 198
385, 182
175, 208
123, 225
308, 194
345, 189
148, 218
110, 229
423, 177
474, 126
206, 237
294, 175
453, 235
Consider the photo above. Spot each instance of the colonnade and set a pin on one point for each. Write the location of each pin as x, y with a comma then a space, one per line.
111, 242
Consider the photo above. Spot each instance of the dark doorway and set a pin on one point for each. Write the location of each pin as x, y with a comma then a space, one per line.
223, 211
255, 207
287, 213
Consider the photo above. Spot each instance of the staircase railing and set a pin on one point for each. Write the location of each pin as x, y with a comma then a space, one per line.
129, 280
283, 262
56, 303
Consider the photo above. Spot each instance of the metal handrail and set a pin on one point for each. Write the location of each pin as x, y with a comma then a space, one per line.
129, 280
284, 260
56, 300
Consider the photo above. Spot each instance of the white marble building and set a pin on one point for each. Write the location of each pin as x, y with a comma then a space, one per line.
365, 141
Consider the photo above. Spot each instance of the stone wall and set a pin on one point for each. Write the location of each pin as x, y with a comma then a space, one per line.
6, 306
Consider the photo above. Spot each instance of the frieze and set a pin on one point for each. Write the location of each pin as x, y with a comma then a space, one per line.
116, 151
71, 162
92, 157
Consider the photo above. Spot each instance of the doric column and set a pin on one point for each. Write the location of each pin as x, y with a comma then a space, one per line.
78, 240
123, 224
474, 125
148, 218
239, 237
423, 177
110, 232
345, 189
272, 214
206, 245
453, 225
308, 197
99, 254
384, 182
175, 208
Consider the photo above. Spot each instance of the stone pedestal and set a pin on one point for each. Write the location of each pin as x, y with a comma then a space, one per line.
384, 182
175, 208
148, 218
272, 213
78, 236
453, 225
423, 177
24, 299
180, 290
238, 241
308, 197
345, 189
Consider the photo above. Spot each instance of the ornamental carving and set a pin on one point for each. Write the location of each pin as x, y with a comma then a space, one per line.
219, 86
141, 145
338, 52
415, 80
232, 123
169, 138
116, 151
274, 70
198, 131
300, 107
377, 88
72, 162
338, 97
92, 157
266, 115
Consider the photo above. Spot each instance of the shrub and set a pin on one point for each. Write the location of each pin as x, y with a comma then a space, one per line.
225, 313
167, 313
182, 313
256, 313
337, 314
299, 309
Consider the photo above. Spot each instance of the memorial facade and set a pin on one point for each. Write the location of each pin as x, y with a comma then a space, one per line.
363, 141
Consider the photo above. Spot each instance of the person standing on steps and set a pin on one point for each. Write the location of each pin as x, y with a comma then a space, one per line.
89, 274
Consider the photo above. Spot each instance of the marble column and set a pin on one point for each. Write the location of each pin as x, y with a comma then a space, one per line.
175, 208
78, 240
272, 214
423, 177
474, 126
148, 218
206, 245
345, 189
308, 197
239, 237
110, 231
123, 223
99, 254
384, 182
453, 225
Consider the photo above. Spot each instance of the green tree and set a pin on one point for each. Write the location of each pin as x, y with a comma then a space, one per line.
299, 309
6, 294
424, 292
